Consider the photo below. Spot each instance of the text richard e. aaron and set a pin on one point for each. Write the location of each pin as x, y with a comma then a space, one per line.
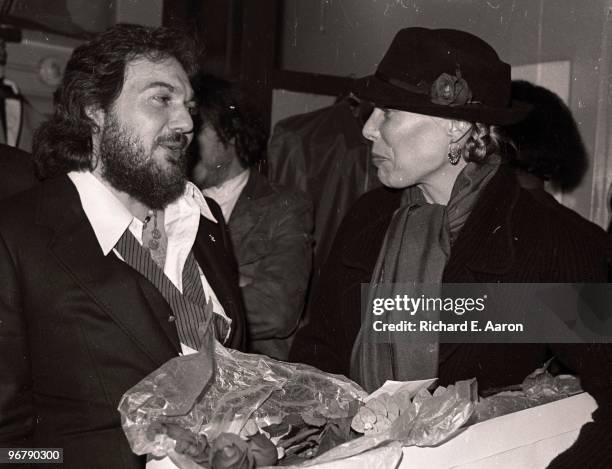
426, 314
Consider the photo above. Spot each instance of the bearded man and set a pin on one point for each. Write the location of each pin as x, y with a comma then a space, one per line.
110, 267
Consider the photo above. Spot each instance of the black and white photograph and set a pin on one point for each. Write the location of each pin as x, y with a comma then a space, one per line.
326, 234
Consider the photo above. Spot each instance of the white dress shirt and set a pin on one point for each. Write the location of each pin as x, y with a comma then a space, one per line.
109, 219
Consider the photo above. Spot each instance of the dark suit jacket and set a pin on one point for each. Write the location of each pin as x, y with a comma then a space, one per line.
510, 236
271, 228
78, 329
16, 171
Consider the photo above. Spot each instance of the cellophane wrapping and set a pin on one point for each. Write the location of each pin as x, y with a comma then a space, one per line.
212, 396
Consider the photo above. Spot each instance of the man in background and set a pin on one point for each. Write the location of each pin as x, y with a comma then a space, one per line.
270, 225
114, 263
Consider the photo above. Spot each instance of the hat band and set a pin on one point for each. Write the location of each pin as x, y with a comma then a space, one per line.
421, 88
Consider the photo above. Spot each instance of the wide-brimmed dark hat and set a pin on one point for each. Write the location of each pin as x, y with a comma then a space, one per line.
444, 73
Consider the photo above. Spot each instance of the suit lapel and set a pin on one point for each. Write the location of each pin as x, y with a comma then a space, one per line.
127, 297
214, 254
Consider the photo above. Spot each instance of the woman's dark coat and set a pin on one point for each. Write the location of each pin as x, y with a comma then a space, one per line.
511, 236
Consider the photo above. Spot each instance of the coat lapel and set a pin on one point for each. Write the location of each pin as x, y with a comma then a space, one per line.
484, 247
127, 297
485, 243
247, 208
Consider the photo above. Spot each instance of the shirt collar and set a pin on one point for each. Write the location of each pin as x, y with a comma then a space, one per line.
231, 186
109, 218
226, 194
193, 193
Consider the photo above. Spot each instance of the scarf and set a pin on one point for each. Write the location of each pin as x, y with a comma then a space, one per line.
411, 262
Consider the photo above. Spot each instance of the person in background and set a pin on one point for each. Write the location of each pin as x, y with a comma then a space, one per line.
114, 263
548, 143
456, 214
549, 150
270, 225
324, 154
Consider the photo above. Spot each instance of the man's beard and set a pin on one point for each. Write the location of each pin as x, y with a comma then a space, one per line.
127, 167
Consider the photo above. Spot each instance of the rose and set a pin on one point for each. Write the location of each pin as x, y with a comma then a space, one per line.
229, 451
450, 90
190, 444
263, 450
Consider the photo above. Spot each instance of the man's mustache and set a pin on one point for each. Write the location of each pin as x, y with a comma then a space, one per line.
176, 140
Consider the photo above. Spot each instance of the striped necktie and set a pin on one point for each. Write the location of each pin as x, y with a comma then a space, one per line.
191, 311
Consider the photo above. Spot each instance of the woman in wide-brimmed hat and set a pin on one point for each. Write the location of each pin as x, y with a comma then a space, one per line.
457, 215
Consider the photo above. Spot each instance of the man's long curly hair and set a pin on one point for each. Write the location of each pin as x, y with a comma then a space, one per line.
94, 78
222, 105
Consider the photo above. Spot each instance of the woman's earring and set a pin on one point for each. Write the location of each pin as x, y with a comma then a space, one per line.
454, 154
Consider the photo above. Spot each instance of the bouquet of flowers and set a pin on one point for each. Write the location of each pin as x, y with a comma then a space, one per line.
236, 410
201, 402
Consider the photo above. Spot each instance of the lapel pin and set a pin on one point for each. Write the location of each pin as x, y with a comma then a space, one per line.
212, 238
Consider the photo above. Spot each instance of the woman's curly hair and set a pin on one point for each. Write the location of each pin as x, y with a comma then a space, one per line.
485, 140
222, 106
94, 78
